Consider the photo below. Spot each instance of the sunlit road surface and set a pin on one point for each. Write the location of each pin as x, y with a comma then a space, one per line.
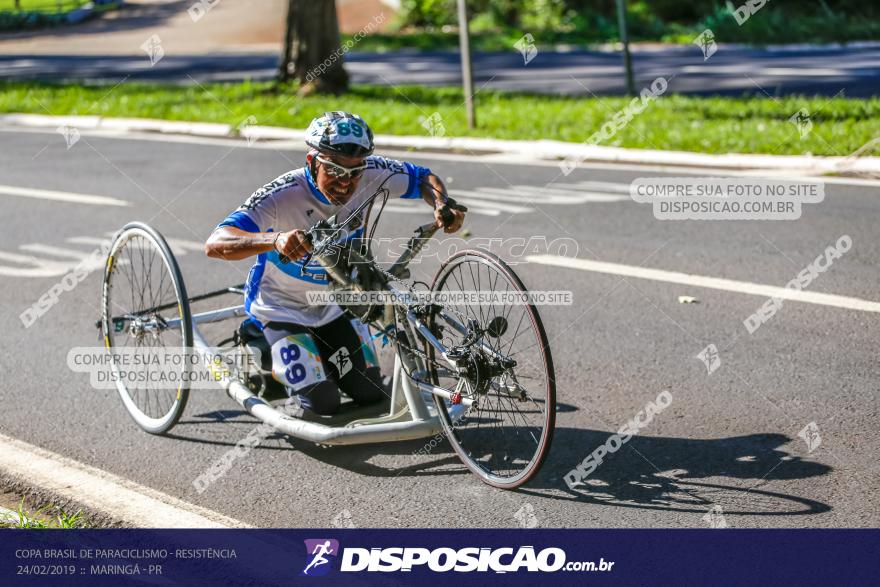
728, 444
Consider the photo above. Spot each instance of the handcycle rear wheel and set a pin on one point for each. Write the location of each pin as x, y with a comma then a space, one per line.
143, 291
506, 433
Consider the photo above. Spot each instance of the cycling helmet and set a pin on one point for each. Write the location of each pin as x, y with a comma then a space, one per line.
340, 133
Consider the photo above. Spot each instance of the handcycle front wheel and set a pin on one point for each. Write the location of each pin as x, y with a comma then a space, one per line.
145, 315
505, 434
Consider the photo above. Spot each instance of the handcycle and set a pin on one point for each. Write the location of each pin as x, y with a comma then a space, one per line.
481, 375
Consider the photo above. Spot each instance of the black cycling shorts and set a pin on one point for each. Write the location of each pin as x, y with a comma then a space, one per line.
315, 362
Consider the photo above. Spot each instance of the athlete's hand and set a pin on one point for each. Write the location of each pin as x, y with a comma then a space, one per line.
450, 218
292, 245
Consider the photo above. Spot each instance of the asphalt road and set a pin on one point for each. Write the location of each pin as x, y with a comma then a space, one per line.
729, 71
728, 440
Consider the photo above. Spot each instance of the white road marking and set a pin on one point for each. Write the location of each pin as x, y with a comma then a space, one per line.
492, 201
21, 192
89, 240
32, 266
55, 251
506, 199
85, 261
475, 199
602, 197
548, 195
596, 186
179, 246
403, 209
95, 489
745, 287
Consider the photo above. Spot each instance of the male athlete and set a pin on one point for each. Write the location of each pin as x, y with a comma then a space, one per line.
316, 350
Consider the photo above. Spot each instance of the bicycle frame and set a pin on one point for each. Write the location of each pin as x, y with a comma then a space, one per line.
410, 417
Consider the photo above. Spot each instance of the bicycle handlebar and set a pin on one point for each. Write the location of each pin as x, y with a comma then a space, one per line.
316, 233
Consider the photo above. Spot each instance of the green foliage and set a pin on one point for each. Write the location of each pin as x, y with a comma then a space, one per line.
38, 519
428, 13
15, 21
27, 14
69, 521
586, 21
28, 520
774, 25
748, 124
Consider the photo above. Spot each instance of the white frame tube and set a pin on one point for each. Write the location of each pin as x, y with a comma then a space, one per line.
423, 422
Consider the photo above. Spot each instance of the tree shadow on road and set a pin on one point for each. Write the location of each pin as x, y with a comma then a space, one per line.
648, 472
668, 474
681, 474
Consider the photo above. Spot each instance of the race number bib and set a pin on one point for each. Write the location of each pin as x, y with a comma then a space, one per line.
296, 362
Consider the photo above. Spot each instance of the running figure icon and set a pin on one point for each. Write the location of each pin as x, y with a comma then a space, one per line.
319, 551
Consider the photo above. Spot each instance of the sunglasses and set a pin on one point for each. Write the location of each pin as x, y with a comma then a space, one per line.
341, 171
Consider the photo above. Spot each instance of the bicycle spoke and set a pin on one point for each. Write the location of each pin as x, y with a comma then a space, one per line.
506, 432
143, 278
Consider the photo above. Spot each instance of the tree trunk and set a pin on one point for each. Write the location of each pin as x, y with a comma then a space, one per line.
284, 66
312, 51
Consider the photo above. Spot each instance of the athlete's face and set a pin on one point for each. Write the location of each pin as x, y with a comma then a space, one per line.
332, 179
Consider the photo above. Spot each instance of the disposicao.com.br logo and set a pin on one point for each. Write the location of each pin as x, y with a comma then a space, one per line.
443, 559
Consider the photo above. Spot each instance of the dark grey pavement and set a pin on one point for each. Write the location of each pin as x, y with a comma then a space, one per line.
730, 71
729, 439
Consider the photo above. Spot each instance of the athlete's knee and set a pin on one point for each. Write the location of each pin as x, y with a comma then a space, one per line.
367, 387
321, 398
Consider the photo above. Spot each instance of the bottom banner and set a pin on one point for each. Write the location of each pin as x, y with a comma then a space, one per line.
404, 557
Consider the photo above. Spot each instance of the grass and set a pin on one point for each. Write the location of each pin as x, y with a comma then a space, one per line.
754, 124
32, 14
40, 519
48, 6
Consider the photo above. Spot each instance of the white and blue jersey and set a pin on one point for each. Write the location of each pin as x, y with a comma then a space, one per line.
277, 292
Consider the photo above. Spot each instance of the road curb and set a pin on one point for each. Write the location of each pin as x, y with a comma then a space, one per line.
522, 150
115, 498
